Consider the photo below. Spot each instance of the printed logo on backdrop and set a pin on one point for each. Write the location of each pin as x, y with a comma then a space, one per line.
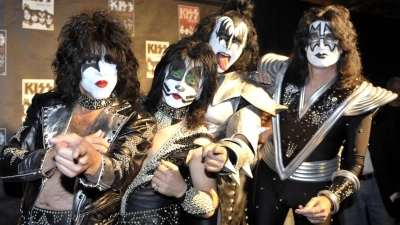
189, 17
38, 14
126, 12
3, 137
30, 87
154, 51
3, 52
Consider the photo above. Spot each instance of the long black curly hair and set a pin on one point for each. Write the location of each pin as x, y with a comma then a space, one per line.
83, 35
238, 9
176, 54
349, 64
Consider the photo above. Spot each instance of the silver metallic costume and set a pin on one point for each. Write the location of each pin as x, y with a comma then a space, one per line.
236, 110
226, 118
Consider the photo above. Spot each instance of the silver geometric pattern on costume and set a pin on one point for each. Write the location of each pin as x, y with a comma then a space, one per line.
197, 202
43, 220
122, 159
47, 217
17, 153
149, 132
289, 90
146, 173
291, 147
118, 167
18, 134
319, 113
131, 143
162, 120
167, 115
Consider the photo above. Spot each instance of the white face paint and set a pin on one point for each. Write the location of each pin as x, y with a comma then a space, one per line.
181, 85
228, 40
322, 49
99, 78
42, 17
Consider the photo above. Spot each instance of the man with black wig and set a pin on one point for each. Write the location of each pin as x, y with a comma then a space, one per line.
330, 104
81, 141
233, 117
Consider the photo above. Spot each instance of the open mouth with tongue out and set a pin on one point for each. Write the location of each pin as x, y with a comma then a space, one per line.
223, 60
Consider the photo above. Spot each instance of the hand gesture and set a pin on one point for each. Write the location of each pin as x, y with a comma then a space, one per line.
74, 155
265, 122
214, 156
316, 210
98, 142
261, 77
168, 180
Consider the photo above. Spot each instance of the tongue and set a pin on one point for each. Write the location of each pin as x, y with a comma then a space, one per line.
223, 61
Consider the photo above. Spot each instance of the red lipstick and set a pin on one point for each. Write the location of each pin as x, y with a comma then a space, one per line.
101, 83
176, 96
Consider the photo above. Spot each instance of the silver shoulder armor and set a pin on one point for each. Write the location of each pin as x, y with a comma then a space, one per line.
255, 94
369, 98
233, 85
272, 64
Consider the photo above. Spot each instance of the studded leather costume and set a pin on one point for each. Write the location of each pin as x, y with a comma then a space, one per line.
142, 205
128, 129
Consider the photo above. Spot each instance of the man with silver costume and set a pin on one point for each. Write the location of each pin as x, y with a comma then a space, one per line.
329, 105
233, 117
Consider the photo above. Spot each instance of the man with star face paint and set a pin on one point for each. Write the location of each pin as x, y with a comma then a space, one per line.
173, 186
233, 117
82, 141
330, 104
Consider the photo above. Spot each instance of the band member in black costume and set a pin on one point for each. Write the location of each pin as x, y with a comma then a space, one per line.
81, 142
329, 104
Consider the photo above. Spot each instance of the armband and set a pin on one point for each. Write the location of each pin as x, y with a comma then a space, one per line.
334, 199
197, 202
344, 183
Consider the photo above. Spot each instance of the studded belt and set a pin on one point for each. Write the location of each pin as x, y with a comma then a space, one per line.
43, 216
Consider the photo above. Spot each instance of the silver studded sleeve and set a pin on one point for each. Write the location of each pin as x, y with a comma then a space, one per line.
22, 158
197, 202
345, 181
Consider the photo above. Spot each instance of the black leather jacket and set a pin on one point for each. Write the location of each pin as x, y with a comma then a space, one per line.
128, 128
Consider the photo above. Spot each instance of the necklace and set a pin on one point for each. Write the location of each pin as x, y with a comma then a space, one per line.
167, 115
94, 103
